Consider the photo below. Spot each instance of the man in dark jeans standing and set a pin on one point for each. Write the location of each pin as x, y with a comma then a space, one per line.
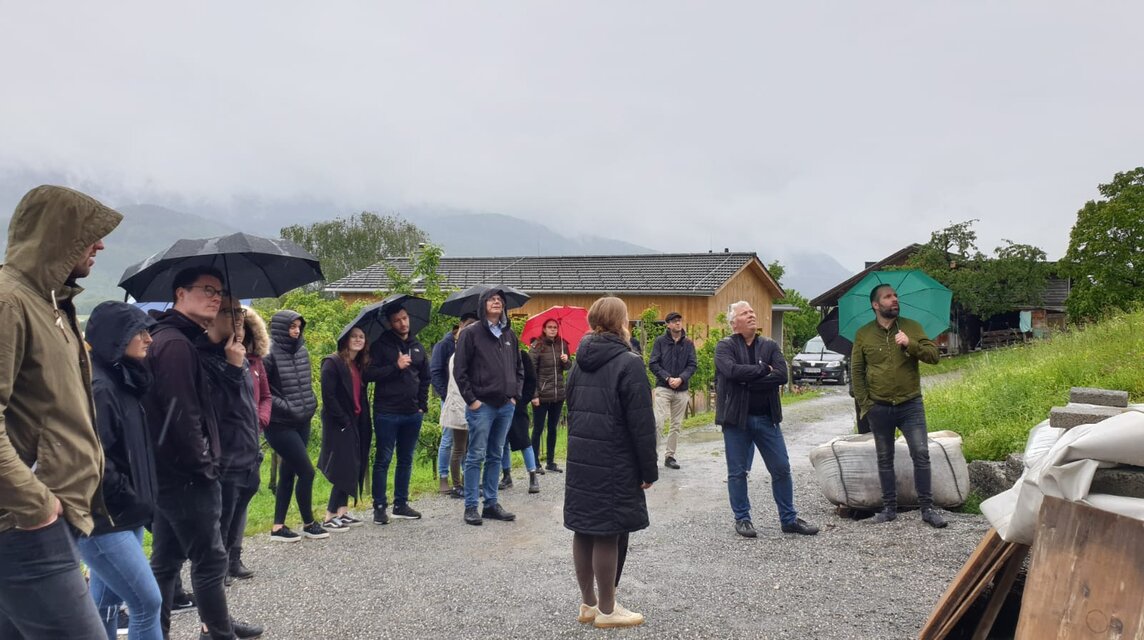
184, 428
232, 392
51, 462
673, 362
887, 387
399, 367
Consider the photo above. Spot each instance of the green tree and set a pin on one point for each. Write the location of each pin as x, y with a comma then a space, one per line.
1105, 257
346, 245
798, 326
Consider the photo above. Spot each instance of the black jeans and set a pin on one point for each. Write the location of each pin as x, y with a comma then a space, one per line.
42, 593
910, 417
186, 527
238, 488
545, 413
290, 444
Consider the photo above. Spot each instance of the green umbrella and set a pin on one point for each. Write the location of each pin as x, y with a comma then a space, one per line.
920, 298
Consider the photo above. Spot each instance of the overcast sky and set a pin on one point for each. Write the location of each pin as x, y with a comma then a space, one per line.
848, 127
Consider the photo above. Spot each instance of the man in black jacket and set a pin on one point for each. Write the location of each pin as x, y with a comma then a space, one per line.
673, 363
184, 428
400, 368
749, 370
489, 375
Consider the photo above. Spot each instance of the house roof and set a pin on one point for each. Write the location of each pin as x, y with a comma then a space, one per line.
685, 274
831, 296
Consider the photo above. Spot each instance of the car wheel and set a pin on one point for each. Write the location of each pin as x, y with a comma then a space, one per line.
845, 380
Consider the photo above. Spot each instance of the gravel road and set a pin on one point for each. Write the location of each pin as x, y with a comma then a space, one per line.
688, 573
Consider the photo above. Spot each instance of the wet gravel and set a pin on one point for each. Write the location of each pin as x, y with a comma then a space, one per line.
689, 573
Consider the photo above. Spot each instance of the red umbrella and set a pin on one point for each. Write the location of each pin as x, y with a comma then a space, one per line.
573, 323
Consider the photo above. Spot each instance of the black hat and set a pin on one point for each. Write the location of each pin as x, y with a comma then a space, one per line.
674, 315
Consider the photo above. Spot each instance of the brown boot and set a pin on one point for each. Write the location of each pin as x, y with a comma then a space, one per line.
445, 488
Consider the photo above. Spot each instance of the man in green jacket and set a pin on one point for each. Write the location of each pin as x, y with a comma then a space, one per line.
888, 389
51, 462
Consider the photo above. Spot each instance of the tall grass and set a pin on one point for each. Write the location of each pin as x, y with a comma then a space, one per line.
1001, 395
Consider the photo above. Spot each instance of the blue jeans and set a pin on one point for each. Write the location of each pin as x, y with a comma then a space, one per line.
741, 443
119, 573
443, 452
910, 417
400, 431
529, 458
42, 592
488, 427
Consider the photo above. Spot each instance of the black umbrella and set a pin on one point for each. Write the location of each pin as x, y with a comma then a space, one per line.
374, 322
369, 321
828, 329
466, 301
254, 267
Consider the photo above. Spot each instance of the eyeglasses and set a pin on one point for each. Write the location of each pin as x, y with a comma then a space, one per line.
233, 312
209, 291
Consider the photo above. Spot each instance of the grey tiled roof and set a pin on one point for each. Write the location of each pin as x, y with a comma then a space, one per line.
660, 273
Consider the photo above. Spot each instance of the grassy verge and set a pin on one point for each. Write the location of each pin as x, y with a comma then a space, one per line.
953, 363
1004, 393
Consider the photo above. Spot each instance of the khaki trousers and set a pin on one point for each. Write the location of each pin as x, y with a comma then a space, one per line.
673, 404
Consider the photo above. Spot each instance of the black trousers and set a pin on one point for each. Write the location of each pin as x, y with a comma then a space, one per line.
238, 489
42, 593
290, 444
186, 527
545, 414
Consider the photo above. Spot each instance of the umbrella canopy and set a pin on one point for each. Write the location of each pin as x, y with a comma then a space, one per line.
920, 298
573, 322
373, 321
254, 267
465, 301
828, 329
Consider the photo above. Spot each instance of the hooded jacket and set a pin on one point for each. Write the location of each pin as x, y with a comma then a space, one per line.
611, 439
48, 441
545, 355
288, 371
260, 346
180, 409
735, 372
488, 368
399, 391
119, 384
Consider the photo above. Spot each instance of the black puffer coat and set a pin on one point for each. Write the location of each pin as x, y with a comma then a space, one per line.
550, 368
611, 439
119, 384
288, 371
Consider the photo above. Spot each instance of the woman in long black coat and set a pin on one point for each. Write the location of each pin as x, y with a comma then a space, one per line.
518, 439
611, 459
346, 427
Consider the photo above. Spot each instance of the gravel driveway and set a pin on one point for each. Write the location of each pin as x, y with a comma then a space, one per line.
688, 573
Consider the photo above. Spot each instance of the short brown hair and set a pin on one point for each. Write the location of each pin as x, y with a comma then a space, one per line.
609, 315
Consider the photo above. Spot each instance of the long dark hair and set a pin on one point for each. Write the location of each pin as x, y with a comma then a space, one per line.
362, 358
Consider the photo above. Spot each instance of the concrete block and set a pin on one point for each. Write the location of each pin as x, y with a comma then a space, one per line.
988, 478
1102, 397
1072, 416
1014, 466
1119, 481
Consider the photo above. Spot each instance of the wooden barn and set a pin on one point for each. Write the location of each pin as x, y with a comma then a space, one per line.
698, 285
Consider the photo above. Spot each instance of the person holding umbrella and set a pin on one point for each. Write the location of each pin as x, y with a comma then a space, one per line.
887, 386
399, 369
549, 354
346, 426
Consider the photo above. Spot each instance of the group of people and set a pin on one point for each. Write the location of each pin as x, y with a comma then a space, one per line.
154, 421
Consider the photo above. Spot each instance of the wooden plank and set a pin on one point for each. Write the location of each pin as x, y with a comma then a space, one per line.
985, 578
1087, 577
979, 561
1000, 593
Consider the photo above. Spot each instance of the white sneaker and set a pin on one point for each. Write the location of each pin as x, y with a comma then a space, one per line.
588, 613
619, 617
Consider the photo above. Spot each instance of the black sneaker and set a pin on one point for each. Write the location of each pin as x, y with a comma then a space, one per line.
122, 623
457, 493
540, 469
745, 528
284, 535
349, 520
183, 602
406, 512
931, 517
551, 466
243, 631
227, 580
888, 514
334, 525
800, 527
472, 517
315, 531
379, 516
497, 512
239, 571
505, 481
671, 463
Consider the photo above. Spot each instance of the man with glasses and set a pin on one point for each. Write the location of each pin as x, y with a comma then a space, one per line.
184, 427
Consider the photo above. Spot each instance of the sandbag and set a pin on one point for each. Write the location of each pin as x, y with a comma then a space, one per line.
847, 471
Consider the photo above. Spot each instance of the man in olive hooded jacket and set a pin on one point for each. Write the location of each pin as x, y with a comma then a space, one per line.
51, 462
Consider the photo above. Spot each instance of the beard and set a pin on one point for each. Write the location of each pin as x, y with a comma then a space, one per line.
888, 313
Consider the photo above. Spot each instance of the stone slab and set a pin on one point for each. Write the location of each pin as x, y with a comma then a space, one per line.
1102, 397
1125, 481
1072, 416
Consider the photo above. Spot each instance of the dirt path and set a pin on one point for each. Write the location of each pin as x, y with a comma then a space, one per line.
688, 573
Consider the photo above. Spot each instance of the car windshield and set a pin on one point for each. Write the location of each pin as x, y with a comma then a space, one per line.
815, 345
